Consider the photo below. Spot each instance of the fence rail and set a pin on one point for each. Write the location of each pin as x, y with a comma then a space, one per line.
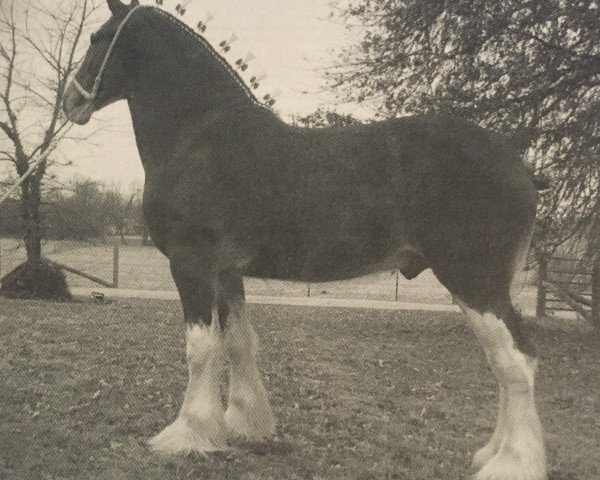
569, 284
143, 267
9, 261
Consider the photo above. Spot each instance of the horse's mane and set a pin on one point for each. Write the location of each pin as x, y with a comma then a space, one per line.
213, 53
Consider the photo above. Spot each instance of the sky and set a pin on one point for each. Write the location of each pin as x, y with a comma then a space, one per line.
293, 42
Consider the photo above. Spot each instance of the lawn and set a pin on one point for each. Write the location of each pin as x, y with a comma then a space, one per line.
358, 394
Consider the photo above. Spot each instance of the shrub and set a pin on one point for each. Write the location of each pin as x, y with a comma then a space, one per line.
36, 280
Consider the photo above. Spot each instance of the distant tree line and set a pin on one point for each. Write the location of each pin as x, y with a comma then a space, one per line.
82, 210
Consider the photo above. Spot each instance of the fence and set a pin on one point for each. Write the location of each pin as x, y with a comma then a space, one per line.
569, 284
563, 283
86, 256
141, 267
104, 283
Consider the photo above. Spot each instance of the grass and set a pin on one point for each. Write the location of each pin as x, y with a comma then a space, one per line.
358, 394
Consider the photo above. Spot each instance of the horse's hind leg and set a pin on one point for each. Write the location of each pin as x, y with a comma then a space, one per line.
483, 455
200, 425
516, 450
248, 415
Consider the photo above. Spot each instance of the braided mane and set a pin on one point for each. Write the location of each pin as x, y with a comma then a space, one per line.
211, 50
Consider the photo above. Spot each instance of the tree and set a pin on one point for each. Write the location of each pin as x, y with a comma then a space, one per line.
39, 51
530, 69
84, 209
324, 118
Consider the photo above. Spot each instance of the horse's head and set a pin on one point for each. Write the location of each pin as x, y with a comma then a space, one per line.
101, 78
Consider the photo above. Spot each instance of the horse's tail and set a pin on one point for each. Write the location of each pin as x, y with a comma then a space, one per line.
521, 141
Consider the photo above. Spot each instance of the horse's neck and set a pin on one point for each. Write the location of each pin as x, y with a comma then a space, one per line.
167, 98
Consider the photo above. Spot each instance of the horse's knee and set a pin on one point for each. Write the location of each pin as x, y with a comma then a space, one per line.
240, 339
202, 344
230, 296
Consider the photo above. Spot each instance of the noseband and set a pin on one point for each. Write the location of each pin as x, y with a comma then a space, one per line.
91, 95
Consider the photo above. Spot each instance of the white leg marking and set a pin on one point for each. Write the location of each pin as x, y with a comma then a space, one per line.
516, 450
484, 454
200, 426
519, 272
248, 415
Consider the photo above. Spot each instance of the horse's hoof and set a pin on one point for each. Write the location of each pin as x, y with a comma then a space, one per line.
508, 464
252, 424
187, 435
484, 455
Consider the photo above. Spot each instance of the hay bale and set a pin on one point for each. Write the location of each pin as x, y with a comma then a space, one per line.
40, 280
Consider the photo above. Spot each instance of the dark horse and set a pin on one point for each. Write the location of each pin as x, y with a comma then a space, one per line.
231, 189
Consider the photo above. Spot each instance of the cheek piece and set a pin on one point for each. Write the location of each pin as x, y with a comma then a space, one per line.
91, 95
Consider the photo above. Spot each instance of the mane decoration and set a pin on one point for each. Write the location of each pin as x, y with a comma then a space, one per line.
269, 99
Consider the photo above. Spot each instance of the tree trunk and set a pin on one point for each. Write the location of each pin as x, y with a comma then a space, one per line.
596, 293
122, 234
540, 309
30, 205
145, 236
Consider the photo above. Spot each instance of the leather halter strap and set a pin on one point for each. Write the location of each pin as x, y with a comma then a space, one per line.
91, 95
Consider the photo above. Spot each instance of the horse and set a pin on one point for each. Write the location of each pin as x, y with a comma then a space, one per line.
232, 190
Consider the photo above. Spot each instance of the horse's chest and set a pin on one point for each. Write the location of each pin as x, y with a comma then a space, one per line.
186, 204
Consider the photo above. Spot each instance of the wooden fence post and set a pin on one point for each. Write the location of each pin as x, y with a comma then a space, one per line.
116, 265
595, 316
540, 308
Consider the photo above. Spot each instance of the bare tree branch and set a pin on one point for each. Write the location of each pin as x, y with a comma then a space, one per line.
33, 93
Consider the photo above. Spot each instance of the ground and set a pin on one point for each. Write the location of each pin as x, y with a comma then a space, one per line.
357, 394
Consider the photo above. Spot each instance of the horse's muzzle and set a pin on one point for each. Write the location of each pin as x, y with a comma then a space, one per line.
77, 108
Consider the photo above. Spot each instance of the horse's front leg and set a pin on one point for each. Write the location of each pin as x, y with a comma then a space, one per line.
248, 415
200, 425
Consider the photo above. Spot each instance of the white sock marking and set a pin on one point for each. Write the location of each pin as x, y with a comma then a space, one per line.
516, 450
248, 414
200, 425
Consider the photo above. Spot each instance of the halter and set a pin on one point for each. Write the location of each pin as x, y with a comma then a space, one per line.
242, 63
89, 96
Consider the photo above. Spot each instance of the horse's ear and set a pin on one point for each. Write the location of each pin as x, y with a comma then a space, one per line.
116, 7
135, 3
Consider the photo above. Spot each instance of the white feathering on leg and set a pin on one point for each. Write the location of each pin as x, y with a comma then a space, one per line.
248, 415
516, 450
200, 426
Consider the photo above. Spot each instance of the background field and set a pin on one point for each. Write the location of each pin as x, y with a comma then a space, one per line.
145, 268
357, 394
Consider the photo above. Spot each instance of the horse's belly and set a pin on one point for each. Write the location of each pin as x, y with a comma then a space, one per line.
334, 259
